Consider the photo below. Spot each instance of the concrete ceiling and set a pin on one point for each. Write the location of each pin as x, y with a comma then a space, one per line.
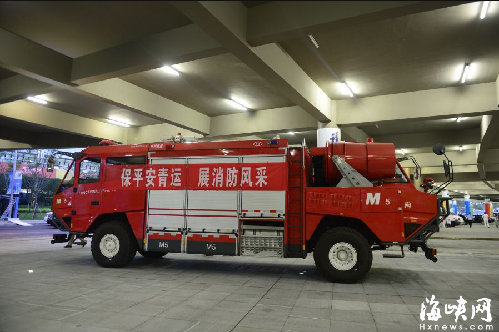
38, 136
4, 73
206, 84
80, 105
409, 53
77, 28
421, 126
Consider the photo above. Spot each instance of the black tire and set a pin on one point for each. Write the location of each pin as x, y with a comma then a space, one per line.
120, 232
353, 239
152, 254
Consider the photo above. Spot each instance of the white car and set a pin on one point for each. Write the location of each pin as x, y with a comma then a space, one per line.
48, 218
453, 220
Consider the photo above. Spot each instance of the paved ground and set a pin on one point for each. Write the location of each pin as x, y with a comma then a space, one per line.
67, 291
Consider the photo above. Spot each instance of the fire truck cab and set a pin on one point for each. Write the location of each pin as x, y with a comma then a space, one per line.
258, 198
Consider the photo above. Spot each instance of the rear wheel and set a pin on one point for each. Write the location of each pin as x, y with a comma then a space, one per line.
152, 254
113, 245
343, 255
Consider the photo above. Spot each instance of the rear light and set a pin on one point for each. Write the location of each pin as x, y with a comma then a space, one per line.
433, 252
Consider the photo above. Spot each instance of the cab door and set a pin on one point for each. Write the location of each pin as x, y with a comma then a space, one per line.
88, 193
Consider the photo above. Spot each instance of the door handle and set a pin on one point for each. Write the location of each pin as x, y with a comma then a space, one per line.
94, 203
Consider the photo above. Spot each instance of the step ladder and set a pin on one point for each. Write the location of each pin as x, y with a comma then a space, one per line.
6, 213
295, 213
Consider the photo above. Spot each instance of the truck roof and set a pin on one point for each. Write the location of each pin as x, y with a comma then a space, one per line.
171, 146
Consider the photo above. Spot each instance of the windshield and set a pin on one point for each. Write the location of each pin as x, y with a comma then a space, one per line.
68, 180
399, 174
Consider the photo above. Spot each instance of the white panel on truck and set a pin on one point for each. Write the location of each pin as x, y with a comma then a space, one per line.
212, 210
166, 208
263, 203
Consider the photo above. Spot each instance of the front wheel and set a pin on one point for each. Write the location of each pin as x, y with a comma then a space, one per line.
343, 255
113, 245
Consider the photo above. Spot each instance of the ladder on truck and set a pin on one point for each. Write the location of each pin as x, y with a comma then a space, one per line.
295, 228
6, 213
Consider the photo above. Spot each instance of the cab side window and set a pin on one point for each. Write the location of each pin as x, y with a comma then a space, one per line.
128, 160
89, 171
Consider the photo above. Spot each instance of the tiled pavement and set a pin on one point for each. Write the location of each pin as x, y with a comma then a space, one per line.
68, 291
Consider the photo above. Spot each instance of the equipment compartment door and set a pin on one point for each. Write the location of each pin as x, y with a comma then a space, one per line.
264, 182
212, 198
166, 207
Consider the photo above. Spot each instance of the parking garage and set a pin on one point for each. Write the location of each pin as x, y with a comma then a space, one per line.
249, 166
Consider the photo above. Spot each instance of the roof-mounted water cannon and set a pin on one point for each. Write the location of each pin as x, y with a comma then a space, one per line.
439, 149
179, 139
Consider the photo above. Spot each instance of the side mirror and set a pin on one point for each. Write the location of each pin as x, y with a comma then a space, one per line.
439, 149
446, 169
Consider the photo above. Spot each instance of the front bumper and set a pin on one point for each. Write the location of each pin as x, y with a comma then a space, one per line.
419, 239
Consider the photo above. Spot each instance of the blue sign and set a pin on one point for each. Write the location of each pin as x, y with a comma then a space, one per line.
18, 179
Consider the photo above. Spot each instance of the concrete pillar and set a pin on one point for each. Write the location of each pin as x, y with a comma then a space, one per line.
467, 204
488, 207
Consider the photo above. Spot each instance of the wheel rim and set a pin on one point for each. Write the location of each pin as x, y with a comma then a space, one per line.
109, 245
343, 256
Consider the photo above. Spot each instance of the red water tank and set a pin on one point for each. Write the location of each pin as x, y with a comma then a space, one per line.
372, 160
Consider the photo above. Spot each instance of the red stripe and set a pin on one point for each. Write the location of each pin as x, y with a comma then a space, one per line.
273, 211
166, 236
190, 215
256, 211
244, 210
192, 210
210, 238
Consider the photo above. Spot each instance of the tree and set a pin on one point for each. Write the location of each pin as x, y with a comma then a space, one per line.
5, 168
35, 177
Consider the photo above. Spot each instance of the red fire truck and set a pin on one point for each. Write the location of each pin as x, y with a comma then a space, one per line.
257, 197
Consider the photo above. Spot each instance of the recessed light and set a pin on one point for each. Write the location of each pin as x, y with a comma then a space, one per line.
465, 72
312, 39
461, 148
485, 7
170, 70
459, 119
118, 122
237, 105
291, 132
38, 100
403, 151
346, 89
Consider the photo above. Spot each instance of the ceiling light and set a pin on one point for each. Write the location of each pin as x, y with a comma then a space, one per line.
403, 151
176, 66
346, 89
237, 105
170, 70
313, 41
459, 119
485, 7
38, 100
461, 148
291, 132
241, 102
465, 72
118, 122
